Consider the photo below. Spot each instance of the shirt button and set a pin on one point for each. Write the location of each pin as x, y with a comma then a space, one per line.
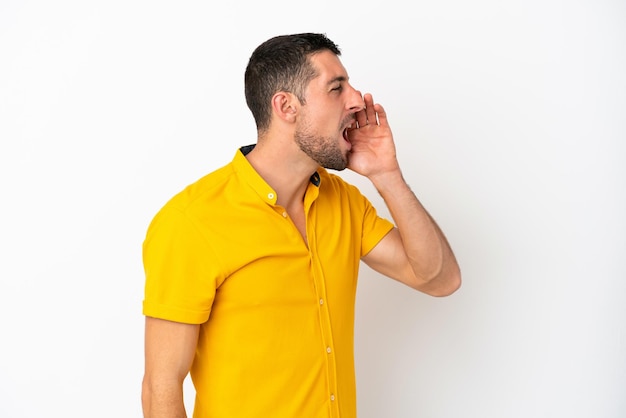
270, 195
328, 350
321, 301
332, 397
284, 214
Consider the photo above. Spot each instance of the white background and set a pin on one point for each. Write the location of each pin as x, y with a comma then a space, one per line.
509, 118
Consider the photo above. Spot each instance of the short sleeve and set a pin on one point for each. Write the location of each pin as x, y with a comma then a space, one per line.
374, 228
181, 271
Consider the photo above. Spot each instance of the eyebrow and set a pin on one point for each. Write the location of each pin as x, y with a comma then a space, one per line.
339, 79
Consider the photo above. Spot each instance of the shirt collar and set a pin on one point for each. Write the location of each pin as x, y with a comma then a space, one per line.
248, 173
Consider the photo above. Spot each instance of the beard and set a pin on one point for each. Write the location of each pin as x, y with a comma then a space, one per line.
322, 149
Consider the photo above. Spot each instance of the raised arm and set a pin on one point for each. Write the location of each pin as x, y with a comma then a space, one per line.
416, 252
169, 352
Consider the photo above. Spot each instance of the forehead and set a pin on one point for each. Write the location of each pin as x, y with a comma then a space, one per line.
329, 68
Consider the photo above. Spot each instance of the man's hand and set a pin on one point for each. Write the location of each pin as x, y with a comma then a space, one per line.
373, 150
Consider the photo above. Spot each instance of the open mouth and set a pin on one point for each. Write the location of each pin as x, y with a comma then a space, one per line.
345, 137
349, 125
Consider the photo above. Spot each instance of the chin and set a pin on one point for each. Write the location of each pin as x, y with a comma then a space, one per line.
336, 165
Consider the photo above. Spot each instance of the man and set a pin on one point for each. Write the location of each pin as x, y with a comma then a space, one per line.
251, 271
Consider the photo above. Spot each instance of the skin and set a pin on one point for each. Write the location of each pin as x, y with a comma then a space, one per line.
299, 140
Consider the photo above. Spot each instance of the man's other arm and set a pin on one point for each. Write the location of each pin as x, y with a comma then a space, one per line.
169, 351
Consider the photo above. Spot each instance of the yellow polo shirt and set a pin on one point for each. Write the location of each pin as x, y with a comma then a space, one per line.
277, 316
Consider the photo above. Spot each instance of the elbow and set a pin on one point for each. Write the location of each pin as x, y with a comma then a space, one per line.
146, 396
451, 285
444, 284
448, 280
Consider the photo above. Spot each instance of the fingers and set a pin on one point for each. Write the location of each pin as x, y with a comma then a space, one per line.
382, 115
370, 111
361, 117
372, 114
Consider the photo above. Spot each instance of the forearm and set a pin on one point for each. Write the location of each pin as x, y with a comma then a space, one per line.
162, 400
427, 250
169, 351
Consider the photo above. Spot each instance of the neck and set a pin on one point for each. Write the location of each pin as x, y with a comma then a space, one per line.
284, 167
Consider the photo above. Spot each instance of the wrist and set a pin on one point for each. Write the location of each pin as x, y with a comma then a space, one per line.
388, 181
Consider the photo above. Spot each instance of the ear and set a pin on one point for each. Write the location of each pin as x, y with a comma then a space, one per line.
285, 106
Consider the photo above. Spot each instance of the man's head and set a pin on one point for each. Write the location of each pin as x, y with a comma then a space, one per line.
281, 64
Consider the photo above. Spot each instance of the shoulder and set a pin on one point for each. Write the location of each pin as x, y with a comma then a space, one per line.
336, 188
196, 198
334, 182
205, 188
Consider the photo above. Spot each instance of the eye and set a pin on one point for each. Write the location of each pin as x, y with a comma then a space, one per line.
338, 88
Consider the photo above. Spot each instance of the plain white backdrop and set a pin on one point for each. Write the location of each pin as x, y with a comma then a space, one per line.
509, 119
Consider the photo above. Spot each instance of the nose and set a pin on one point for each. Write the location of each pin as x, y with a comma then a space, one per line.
355, 102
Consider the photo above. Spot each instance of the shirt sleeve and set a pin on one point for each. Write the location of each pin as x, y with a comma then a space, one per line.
374, 228
181, 270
